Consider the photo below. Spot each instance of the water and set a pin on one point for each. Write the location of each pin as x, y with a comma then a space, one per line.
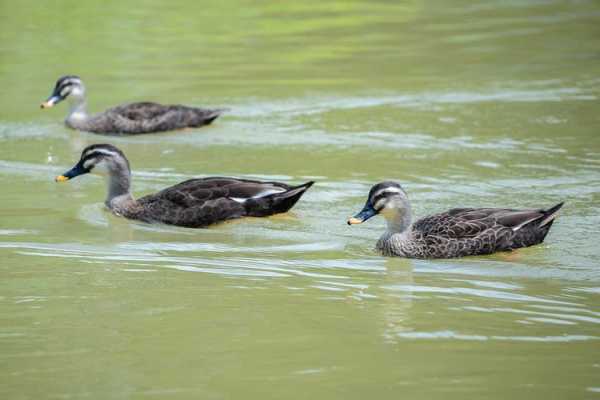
466, 104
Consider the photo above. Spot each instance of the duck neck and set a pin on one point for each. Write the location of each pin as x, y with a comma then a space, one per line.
119, 190
400, 221
77, 112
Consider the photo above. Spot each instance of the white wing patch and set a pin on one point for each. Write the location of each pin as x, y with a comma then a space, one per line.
264, 193
522, 224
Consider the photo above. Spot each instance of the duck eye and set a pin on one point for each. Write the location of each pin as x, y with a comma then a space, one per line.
88, 164
65, 91
379, 203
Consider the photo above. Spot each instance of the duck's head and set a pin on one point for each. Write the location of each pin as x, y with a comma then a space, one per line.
101, 159
385, 198
66, 86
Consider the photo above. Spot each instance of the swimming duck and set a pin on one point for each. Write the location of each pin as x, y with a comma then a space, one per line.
455, 233
133, 118
194, 203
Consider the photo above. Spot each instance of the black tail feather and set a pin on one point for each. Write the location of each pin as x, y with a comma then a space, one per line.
282, 202
205, 117
541, 226
550, 215
212, 116
277, 202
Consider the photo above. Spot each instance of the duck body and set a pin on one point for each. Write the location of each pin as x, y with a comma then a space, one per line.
197, 203
469, 231
126, 119
145, 117
455, 233
194, 203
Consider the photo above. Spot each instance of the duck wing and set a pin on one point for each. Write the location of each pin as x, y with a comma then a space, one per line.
484, 230
469, 222
459, 222
201, 202
147, 117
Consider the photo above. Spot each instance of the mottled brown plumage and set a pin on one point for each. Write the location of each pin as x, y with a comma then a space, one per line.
133, 118
194, 203
455, 233
201, 202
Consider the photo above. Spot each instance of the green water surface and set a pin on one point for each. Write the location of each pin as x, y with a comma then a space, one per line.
466, 103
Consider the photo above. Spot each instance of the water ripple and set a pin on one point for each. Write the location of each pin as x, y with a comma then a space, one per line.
492, 294
460, 336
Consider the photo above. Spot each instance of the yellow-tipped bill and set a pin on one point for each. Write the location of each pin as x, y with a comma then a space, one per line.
51, 102
367, 212
61, 178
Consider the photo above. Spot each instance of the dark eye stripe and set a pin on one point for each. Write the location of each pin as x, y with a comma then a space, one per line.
384, 194
64, 83
62, 86
381, 196
95, 154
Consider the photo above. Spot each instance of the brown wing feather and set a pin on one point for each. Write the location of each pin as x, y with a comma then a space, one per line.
201, 202
470, 222
140, 111
147, 117
216, 187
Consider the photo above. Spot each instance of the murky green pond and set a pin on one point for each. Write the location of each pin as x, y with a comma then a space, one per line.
488, 103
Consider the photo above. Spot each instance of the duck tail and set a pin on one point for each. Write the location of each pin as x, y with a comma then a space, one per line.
209, 117
549, 215
282, 202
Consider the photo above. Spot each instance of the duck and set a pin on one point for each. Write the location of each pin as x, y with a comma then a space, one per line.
126, 119
455, 233
194, 203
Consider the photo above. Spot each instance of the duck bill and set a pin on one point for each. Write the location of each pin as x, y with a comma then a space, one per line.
51, 102
366, 213
72, 173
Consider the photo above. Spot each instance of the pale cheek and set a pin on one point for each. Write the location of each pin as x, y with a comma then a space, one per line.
389, 213
386, 212
76, 92
100, 169
380, 204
